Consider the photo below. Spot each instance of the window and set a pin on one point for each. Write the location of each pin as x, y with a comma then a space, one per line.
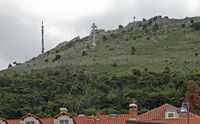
63, 121
170, 114
30, 122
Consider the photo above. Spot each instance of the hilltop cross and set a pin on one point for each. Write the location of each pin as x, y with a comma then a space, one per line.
94, 27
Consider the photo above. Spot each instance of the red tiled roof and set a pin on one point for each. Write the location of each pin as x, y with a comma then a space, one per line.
47, 120
14, 121
103, 119
156, 115
174, 121
159, 113
43, 121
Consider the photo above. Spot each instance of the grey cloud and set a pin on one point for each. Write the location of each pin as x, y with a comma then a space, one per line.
18, 35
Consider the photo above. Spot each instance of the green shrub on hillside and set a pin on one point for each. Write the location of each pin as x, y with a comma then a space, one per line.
57, 57
133, 50
155, 27
120, 26
196, 25
105, 38
84, 53
9, 66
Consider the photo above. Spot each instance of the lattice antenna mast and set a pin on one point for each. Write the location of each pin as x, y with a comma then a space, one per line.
42, 37
94, 27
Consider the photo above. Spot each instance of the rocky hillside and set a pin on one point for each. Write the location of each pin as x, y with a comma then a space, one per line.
149, 44
148, 60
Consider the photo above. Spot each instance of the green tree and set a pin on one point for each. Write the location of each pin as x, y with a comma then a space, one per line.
193, 96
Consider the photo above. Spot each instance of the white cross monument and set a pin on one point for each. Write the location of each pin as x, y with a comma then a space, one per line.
94, 28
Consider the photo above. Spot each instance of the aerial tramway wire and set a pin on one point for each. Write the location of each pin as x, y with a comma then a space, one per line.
71, 89
83, 94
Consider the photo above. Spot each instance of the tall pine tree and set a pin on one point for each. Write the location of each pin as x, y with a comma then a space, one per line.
192, 97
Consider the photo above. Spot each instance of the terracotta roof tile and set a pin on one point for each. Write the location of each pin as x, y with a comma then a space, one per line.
47, 120
14, 121
174, 121
103, 119
159, 113
156, 115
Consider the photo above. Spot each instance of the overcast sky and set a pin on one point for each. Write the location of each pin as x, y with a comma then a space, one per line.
20, 21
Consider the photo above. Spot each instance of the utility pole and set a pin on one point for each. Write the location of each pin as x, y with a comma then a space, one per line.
94, 27
42, 37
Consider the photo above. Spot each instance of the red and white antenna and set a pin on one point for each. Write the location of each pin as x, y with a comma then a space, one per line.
42, 37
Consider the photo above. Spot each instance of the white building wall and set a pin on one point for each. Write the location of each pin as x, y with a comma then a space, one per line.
63, 117
27, 119
2, 122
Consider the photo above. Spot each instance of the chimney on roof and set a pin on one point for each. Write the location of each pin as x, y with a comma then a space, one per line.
98, 114
63, 110
133, 110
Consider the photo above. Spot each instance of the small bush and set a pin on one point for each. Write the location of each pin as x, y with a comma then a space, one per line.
9, 66
155, 18
196, 54
120, 26
192, 21
46, 60
183, 25
131, 28
196, 25
105, 38
136, 72
166, 17
57, 57
155, 27
111, 49
133, 50
84, 53
114, 64
113, 35
150, 21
